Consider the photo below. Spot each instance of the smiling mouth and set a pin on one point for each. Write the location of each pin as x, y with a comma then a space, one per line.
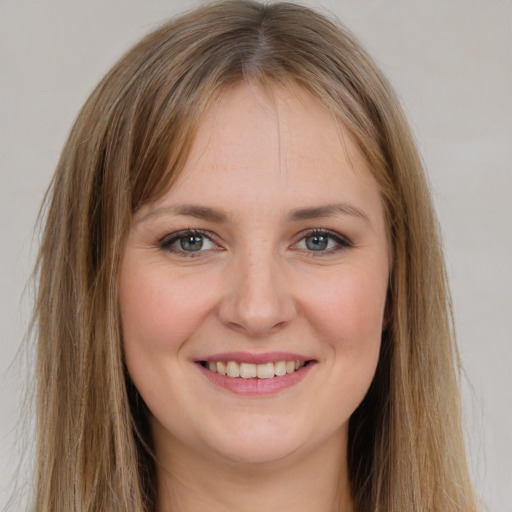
251, 370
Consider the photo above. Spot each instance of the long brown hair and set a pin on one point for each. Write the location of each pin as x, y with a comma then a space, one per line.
129, 142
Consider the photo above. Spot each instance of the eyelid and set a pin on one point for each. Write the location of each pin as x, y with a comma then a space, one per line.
343, 242
166, 243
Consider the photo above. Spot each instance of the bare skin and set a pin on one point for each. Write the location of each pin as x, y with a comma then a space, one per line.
305, 485
270, 249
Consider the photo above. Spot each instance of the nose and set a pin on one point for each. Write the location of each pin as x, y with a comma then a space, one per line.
257, 300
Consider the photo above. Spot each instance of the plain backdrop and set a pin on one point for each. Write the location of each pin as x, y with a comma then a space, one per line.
451, 63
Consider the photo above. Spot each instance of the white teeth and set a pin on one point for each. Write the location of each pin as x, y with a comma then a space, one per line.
290, 366
233, 369
280, 368
221, 368
247, 370
265, 371
250, 370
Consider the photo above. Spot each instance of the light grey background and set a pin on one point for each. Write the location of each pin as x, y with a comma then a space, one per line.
451, 62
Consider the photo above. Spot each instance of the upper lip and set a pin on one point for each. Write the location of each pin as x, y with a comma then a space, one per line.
255, 358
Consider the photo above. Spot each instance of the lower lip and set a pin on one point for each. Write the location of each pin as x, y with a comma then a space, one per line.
256, 386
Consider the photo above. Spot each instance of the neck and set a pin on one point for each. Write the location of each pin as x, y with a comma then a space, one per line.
314, 482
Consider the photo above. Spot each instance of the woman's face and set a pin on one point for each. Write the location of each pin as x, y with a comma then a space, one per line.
267, 258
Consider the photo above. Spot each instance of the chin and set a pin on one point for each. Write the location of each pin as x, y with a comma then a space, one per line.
266, 441
258, 449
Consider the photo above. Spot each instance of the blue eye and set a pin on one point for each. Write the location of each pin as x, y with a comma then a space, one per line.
191, 243
317, 242
187, 242
320, 240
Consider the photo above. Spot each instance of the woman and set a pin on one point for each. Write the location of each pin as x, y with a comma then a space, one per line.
242, 299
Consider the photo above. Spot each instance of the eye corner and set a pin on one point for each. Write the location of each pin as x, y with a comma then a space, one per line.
322, 242
189, 243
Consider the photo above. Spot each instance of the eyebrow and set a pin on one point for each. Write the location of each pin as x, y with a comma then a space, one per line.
297, 214
328, 210
188, 210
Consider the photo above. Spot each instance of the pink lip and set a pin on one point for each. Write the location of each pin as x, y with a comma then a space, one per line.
254, 358
254, 387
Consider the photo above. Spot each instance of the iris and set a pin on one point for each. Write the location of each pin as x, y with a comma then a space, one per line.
317, 242
191, 243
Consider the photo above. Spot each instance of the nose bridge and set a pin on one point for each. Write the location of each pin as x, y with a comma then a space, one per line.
258, 298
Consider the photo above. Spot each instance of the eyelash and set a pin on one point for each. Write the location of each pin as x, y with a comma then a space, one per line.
167, 243
342, 242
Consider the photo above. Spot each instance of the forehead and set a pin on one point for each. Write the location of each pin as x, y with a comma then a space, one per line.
278, 147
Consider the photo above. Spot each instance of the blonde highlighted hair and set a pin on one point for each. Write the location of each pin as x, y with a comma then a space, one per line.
129, 142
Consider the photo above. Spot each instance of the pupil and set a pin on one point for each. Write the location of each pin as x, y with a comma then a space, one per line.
191, 243
317, 242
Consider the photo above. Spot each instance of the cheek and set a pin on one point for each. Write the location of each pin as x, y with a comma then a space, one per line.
158, 315
348, 315
344, 306
349, 308
160, 311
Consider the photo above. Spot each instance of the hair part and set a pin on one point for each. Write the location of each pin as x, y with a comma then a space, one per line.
127, 147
